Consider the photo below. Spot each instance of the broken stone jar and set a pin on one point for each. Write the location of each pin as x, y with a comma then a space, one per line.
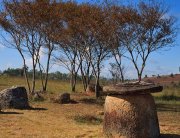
130, 111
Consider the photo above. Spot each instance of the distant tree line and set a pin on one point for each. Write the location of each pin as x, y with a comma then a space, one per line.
19, 72
82, 37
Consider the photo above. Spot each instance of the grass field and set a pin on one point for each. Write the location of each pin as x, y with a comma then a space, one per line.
54, 86
84, 119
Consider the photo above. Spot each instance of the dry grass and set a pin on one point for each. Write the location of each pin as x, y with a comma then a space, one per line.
53, 121
71, 120
84, 119
54, 86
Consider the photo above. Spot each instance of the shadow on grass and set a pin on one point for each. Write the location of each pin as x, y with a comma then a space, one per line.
73, 102
169, 136
36, 108
88, 119
9, 113
32, 108
168, 98
168, 107
69, 102
93, 101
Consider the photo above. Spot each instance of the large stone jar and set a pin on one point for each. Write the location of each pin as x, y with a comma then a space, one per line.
131, 112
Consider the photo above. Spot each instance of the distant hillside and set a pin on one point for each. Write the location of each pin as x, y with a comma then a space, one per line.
164, 80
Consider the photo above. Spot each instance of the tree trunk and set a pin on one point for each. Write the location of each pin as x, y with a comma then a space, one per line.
72, 82
74, 85
33, 78
25, 72
26, 77
41, 74
139, 77
83, 77
47, 72
122, 75
97, 88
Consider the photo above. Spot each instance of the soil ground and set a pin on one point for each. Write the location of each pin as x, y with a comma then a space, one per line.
84, 119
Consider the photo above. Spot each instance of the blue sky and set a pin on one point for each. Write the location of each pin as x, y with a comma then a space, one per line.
161, 62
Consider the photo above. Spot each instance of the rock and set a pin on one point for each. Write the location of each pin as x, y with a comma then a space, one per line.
15, 97
63, 98
91, 88
131, 116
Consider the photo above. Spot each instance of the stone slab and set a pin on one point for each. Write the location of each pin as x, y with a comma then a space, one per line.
131, 88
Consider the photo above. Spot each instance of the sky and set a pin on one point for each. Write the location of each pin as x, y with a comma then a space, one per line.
163, 62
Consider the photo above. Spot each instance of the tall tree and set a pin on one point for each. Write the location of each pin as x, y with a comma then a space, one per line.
8, 23
146, 29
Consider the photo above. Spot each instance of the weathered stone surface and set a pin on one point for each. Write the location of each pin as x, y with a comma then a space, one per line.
131, 116
131, 88
63, 98
91, 88
15, 97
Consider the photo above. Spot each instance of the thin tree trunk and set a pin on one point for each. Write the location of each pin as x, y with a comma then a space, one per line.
41, 74
139, 77
120, 67
83, 77
97, 88
72, 81
25, 72
26, 77
122, 75
33, 78
47, 72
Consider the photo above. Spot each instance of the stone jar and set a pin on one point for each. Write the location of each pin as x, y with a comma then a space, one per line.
131, 116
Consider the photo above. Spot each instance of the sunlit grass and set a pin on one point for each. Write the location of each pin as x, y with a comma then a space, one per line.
54, 86
170, 95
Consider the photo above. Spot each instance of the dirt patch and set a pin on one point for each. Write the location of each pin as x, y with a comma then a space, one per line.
55, 120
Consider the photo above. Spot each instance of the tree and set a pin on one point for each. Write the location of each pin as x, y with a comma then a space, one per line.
95, 39
51, 24
146, 29
36, 23
8, 23
67, 44
116, 72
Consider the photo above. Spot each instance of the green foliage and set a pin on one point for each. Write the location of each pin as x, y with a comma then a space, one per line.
14, 72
